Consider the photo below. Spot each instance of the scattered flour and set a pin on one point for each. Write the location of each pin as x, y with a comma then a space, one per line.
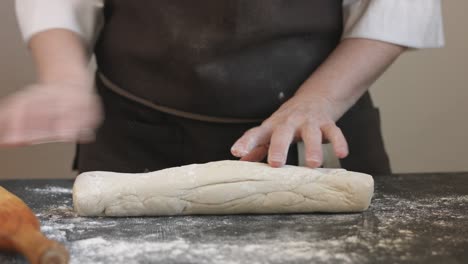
393, 226
94, 250
50, 189
383, 230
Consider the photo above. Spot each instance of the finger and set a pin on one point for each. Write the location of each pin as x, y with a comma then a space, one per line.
73, 127
34, 125
20, 123
14, 130
45, 140
257, 154
254, 137
49, 131
3, 125
279, 145
45, 131
86, 136
9, 138
312, 138
337, 139
68, 129
44, 136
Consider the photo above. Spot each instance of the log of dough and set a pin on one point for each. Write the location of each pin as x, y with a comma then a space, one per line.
222, 187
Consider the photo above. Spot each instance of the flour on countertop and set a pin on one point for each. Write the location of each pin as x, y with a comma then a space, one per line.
394, 226
50, 189
101, 249
92, 250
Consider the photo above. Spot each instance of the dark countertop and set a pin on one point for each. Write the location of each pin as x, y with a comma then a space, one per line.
418, 218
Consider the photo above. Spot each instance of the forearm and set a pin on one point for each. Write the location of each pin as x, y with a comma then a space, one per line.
60, 57
349, 71
61, 106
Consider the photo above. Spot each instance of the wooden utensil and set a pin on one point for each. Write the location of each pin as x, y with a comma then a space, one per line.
20, 232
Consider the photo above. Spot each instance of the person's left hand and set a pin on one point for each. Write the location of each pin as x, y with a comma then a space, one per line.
311, 119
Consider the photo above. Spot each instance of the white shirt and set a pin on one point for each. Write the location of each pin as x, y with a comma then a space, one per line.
410, 23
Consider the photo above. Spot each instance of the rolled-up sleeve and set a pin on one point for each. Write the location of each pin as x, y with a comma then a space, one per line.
410, 23
79, 16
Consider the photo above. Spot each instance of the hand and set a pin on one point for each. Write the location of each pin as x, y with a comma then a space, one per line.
311, 119
57, 112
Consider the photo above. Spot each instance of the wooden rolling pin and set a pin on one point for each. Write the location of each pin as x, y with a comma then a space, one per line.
20, 232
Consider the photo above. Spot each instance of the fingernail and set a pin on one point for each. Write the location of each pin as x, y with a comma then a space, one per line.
277, 158
342, 151
238, 151
314, 161
276, 163
317, 160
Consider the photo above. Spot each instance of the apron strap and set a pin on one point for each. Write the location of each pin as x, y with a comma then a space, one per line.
213, 119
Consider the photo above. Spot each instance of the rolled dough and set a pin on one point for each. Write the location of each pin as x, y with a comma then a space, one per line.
222, 187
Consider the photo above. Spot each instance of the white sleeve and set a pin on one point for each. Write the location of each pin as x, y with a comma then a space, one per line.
80, 16
410, 23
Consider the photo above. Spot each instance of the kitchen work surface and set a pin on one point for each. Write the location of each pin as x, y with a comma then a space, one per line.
418, 218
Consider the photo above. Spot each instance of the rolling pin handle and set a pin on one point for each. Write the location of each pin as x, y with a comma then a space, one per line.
38, 249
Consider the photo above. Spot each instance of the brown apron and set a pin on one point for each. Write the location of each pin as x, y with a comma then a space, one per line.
181, 80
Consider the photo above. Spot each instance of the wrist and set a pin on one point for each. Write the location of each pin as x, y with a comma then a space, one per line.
60, 58
334, 101
76, 76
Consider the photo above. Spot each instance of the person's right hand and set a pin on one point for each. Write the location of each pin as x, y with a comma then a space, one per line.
43, 113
